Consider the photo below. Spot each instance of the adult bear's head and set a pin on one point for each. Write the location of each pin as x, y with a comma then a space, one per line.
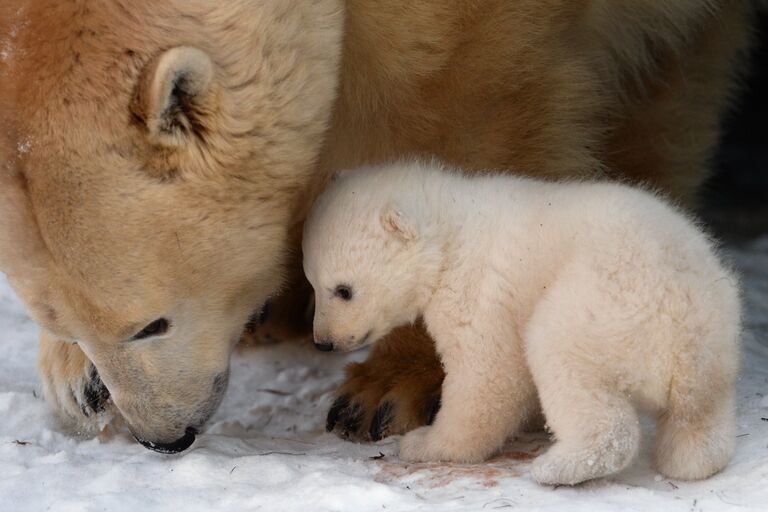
153, 158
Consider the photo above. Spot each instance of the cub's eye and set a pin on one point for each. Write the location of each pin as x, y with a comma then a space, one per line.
156, 328
343, 292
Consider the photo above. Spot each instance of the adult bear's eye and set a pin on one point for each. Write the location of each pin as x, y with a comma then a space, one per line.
156, 328
343, 292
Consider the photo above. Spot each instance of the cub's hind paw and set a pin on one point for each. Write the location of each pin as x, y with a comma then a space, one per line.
560, 466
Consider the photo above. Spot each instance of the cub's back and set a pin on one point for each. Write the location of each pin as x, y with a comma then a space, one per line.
610, 224
650, 250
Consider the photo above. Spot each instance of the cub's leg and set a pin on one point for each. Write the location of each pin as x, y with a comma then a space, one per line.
595, 426
697, 431
72, 385
696, 435
487, 395
597, 432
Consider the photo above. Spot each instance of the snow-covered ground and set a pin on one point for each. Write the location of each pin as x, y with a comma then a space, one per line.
266, 450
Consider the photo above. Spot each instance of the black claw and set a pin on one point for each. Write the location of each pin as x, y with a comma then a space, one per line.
434, 407
95, 394
351, 418
340, 403
381, 421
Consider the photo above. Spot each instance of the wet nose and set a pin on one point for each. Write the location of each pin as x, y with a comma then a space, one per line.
324, 345
176, 446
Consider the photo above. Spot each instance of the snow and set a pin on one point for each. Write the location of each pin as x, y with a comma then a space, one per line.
22, 148
265, 449
16, 22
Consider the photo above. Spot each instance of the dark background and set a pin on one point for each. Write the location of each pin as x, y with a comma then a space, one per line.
735, 200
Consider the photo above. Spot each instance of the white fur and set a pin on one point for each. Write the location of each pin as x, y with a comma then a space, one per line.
592, 299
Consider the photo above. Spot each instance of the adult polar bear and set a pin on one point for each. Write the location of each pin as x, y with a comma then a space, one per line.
158, 160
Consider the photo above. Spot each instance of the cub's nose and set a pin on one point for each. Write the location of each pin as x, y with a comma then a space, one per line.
176, 446
324, 345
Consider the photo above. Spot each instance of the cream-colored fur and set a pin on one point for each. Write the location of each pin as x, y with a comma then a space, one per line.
158, 178
597, 298
157, 159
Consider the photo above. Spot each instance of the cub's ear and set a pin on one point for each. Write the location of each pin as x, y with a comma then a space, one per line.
174, 95
395, 221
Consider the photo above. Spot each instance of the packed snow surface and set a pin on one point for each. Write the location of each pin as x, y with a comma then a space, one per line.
265, 449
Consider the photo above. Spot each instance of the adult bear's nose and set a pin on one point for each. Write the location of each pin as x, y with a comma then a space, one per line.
324, 345
176, 446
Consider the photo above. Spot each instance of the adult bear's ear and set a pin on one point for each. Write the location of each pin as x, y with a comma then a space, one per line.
174, 95
396, 221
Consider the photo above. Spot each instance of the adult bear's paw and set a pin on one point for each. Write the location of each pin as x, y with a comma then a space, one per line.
397, 389
72, 385
285, 317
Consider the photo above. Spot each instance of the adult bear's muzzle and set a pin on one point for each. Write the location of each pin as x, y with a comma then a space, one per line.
164, 424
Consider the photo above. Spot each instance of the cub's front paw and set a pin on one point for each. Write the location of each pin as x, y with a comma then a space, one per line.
415, 446
73, 387
428, 444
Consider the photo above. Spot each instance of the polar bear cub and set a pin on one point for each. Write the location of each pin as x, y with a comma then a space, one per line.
589, 300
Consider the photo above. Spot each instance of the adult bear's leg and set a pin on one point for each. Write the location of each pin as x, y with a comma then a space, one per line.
395, 390
285, 317
72, 385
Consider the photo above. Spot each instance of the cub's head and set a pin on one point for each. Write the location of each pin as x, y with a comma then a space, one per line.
153, 162
369, 256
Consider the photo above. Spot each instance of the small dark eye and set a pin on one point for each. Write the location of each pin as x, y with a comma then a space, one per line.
156, 328
343, 292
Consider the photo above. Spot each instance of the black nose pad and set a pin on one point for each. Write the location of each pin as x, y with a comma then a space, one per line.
324, 345
176, 446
